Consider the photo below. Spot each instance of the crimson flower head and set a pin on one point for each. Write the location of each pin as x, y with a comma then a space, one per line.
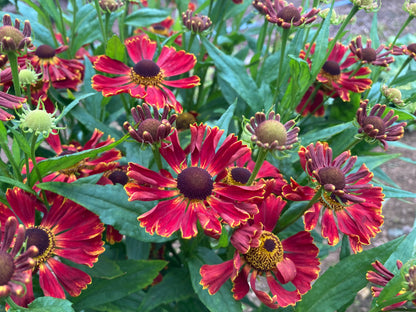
368, 55
376, 127
335, 77
147, 78
261, 252
151, 128
60, 72
16, 266
65, 231
285, 15
192, 194
11, 38
9, 101
409, 50
347, 200
381, 276
269, 133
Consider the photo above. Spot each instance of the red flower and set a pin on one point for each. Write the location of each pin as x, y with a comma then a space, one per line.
16, 266
409, 50
147, 78
349, 202
368, 55
67, 230
61, 73
261, 252
377, 128
85, 167
334, 78
9, 101
193, 194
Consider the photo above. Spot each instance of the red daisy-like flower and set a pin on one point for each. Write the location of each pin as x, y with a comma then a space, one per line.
348, 201
9, 101
260, 252
61, 73
67, 230
194, 194
86, 167
283, 14
16, 266
380, 277
368, 55
334, 78
409, 50
376, 127
147, 78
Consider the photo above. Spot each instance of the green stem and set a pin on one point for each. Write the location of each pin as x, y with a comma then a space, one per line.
261, 157
285, 36
288, 219
100, 20
13, 305
15, 72
396, 299
9, 156
29, 95
156, 154
405, 63
401, 30
33, 157
121, 23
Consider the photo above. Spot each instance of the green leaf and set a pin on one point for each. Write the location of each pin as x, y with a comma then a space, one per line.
54, 164
175, 286
137, 275
375, 161
340, 283
47, 304
235, 77
224, 121
111, 203
221, 300
393, 192
19, 184
325, 133
115, 48
146, 17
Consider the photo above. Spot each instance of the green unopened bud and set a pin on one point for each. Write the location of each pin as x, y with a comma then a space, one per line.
28, 76
410, 8
38, 121
367, 5
394, 95
195, 22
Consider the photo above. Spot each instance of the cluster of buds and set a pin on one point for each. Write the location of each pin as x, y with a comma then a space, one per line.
393, 95
11, 38
195, 22
150, 128
335, 19
410, 8
367, 5
110, 5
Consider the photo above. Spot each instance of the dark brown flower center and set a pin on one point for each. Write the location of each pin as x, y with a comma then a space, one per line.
159, 29
195, 183
289, 14
149, 125
44, 240
7, 267
146, 68
332, 175
11, 32
267, 255
184, 121
412, 47
369, 55
376, 122
45, 52
240, 175
271, 130
118, 176
332, 68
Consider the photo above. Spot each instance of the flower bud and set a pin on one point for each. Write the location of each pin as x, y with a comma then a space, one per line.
11, 38
394, 95
195, 22
110, 5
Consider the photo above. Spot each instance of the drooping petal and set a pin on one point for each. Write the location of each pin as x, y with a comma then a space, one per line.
214, 276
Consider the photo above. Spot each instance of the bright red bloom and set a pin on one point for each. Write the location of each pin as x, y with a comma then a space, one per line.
261, 252
86, 167
335, 79
368, 55
376, 127
9, 101
381, 276
349, 202
16, 266
193, 194
67, 230
61, 73
147, 78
